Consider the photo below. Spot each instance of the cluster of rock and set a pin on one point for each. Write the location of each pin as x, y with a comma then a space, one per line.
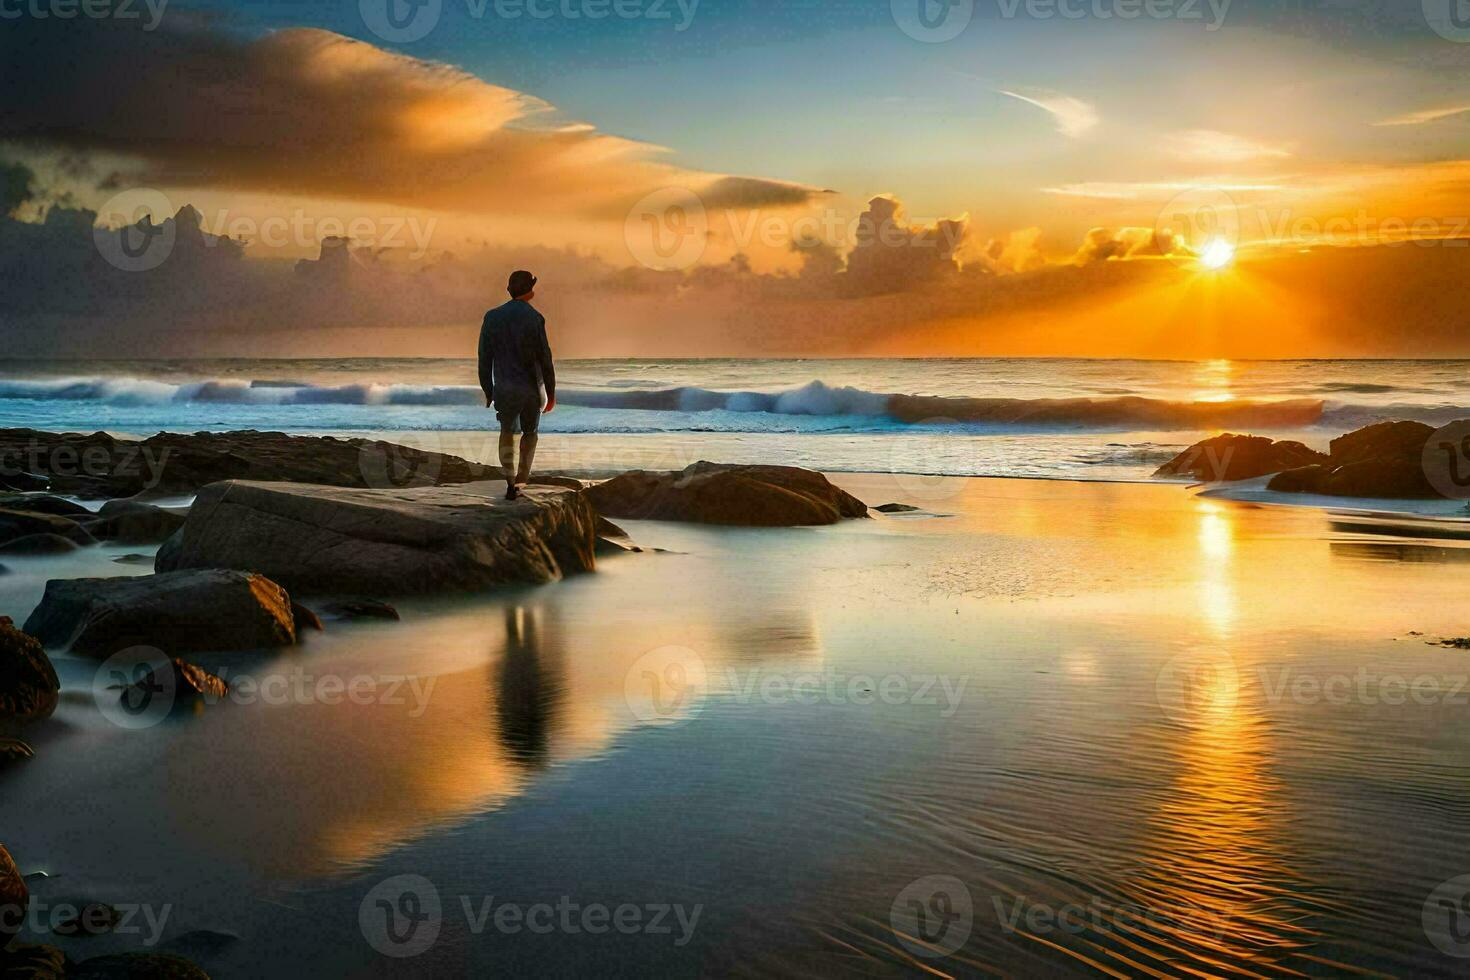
43, 524
98, 466
37, 961
717, 493
1386, 460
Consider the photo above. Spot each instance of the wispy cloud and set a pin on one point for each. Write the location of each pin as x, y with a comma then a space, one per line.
1423, 116
1073, 116
1218, 147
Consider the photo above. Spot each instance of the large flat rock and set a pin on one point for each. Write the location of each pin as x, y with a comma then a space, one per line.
722, 493
330, 540
180, 612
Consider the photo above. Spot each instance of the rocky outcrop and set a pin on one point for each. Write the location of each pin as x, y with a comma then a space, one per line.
45, 503
183, 612
28, 685
97, 466
1233, 457
135, 522
716, 493
330, 541
14, 895
1381, 460
17, 524
356, 607
39, 544
896, 508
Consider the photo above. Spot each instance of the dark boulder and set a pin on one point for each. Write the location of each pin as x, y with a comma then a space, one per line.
45, 503
19, 524
32, 961
895, 508
305, 619
29, 688
332, 541
134, 522
1385, 459
182, 612
39, 544
1230, 457
717, 493
179, 682
14, 750
15, 897
20, 481
611, 539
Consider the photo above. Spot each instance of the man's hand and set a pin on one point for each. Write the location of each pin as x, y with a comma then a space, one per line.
550, 404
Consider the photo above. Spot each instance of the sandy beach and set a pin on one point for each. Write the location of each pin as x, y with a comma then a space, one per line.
1148, 731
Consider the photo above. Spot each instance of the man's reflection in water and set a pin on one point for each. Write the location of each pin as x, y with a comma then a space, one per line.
530, 685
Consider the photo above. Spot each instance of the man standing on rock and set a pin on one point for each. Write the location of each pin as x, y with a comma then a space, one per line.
515, 365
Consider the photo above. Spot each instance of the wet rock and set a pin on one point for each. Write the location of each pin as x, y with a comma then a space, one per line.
136, 966
133, 522
1381, 460
181, 612
45, 503
20, 480
15, 524
551, 480
14, 750
1234, 457
14, 898
717, 493
134, 559
896, 508
39, 544
330, 541
28, 686
32, 961
306, 619
97, 465
612, 539
182, 683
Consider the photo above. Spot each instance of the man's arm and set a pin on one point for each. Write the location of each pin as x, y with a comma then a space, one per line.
487, 362
548, 369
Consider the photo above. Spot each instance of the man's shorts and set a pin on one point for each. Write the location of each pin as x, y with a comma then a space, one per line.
519, 412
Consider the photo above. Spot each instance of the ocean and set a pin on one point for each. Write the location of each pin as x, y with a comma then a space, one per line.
1114, 420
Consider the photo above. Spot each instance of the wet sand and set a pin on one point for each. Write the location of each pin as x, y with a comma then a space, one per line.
1147, 732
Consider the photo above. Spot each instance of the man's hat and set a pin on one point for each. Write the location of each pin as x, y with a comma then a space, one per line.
521, 283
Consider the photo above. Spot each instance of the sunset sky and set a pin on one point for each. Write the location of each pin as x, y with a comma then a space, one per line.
1049, 141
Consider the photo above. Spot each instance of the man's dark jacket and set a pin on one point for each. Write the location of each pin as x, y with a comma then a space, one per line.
515, 357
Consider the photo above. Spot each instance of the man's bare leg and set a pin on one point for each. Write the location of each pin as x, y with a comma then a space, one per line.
508, 460
528, 454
